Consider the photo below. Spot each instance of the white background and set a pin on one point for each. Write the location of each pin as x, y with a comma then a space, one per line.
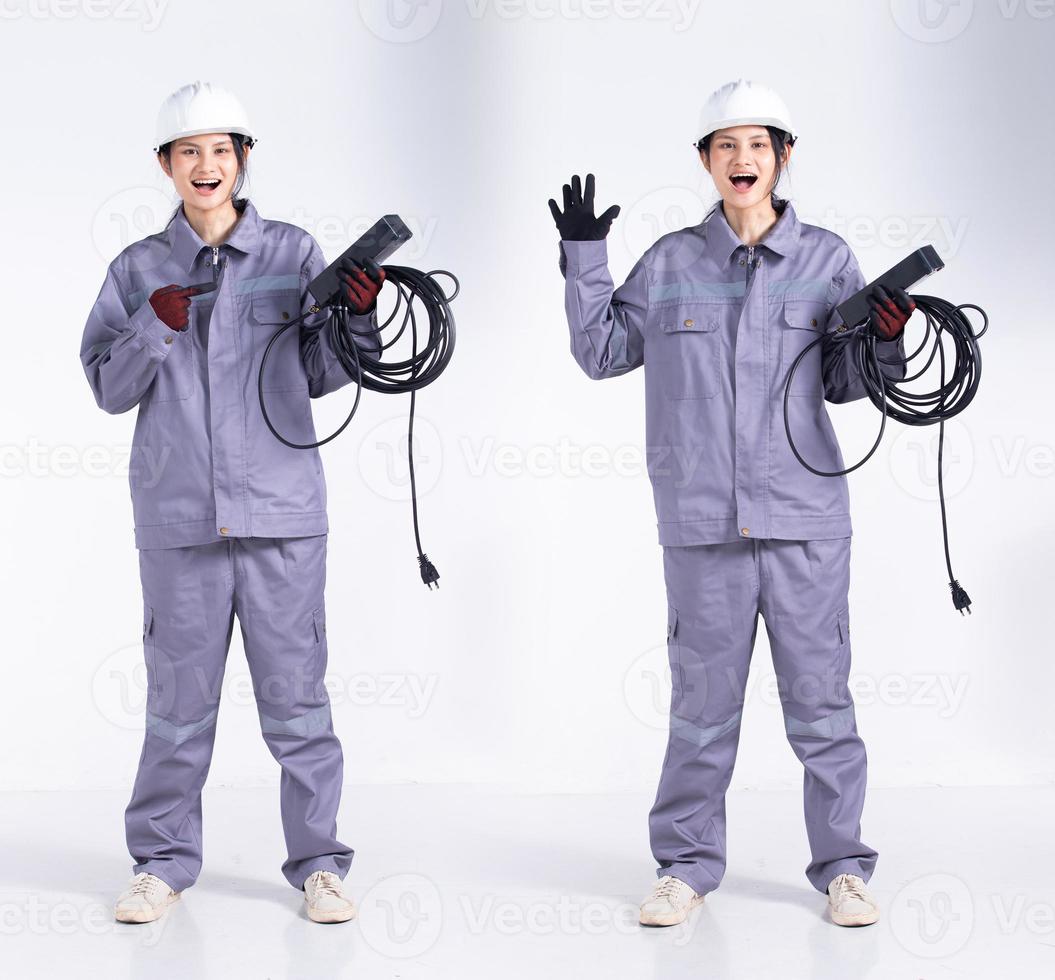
540, 664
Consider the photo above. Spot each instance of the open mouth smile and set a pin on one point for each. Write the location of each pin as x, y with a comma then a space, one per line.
206, 186
743, 180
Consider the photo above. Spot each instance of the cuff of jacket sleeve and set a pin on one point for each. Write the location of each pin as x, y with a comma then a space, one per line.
582, 254
153, 330
892, 342
362, 321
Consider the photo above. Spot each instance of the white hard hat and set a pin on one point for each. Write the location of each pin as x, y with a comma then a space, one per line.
201, 107
742, 103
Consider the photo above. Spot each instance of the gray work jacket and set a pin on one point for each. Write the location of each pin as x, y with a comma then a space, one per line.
716, 324
204, 466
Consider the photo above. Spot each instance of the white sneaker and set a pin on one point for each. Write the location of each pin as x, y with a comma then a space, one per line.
850, 902
325, 900
145, 899
670, 903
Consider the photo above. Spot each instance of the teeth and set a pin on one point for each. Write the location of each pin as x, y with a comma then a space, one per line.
743, 175
201, 183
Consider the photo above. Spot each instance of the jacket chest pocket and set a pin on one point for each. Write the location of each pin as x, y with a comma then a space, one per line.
689, 350
267, 312
802, 321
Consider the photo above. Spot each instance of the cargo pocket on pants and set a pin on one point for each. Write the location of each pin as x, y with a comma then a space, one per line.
842, 658
674, 656
148, 651
318, 625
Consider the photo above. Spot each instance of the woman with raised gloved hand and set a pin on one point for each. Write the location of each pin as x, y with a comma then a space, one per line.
717, 313
228, 520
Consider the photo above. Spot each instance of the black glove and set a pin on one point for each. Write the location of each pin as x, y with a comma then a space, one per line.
577, 223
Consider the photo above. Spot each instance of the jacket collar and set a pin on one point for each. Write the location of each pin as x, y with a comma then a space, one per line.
187, 244
722, 241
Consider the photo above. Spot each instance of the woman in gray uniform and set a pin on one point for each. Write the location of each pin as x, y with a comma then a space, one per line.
716, 314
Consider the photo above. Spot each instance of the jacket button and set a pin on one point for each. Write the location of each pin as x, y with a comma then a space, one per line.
690, 323
741, 261
285, 315
745, 530
841, 328
168, 339
223, 530
813, 322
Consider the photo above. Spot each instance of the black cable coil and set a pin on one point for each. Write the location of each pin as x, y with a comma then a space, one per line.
364, 365
915, 408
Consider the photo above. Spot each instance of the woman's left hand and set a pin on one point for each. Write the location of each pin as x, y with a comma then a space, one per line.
361, 285
889, 318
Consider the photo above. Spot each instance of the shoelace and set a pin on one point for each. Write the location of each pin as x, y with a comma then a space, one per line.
142, 884
327, 881
848, 885
667, 888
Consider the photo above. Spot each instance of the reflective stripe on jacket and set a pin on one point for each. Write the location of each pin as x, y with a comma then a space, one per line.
717, 326
204, 465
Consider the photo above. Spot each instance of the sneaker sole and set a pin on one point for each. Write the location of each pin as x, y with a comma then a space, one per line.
337, 915
146, 915
673, 918
860, 919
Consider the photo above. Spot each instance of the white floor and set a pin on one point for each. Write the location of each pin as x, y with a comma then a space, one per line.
461, 882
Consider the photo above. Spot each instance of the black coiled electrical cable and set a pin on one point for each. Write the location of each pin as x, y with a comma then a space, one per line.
914, 408
363, 363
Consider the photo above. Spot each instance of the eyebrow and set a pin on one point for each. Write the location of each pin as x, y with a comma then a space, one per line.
756, 136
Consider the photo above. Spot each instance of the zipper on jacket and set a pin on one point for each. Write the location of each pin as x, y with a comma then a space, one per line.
218, 267
750, 261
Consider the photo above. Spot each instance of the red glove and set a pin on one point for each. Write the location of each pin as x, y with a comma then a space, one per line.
172, 303
361, 289
889, 318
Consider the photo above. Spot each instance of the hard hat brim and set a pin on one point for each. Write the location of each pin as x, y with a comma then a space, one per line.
250, 140
749, 121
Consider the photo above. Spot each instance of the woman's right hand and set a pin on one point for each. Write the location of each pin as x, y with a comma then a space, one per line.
576, 223
172, 303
